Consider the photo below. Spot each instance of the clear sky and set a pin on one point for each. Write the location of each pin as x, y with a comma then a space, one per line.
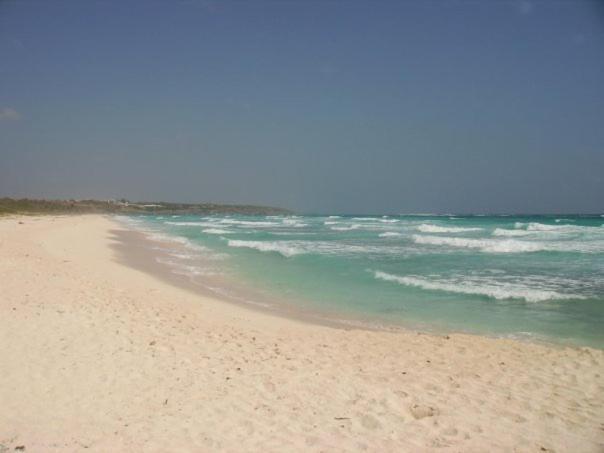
319, 106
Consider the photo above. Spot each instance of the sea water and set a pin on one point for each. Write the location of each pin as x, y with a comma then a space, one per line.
536, 277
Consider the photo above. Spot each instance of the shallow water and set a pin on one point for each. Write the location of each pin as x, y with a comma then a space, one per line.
537, 277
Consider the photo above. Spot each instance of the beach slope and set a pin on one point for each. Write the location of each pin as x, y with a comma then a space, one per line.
99, 356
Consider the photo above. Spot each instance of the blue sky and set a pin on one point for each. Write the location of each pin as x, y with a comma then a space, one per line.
319, 106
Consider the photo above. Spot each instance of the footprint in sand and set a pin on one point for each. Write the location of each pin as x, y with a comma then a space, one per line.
421, 411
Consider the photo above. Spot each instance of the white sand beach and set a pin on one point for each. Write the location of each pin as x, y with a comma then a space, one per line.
98, 356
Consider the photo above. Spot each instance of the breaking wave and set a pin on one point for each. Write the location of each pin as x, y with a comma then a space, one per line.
289, 248
390, 234
511, 245
354, 226
280, 247
190, 223
294, 223
485, 245
249, 223
563, 228
428, 228
478, 286
217, 231
504, 232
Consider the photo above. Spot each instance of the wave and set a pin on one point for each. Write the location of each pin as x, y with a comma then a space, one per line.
217, 231
160, 237
288, 233
182, 256
330, 223
481, 287
187, 269
205, 224
504, 232
354, 226
511, 245
280, 247
429, 228
289, 248
249, 223
390, 234
294, 223
535, 226
547, 231
485, 245
563, 228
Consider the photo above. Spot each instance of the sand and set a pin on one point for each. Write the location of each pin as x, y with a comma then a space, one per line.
96, 355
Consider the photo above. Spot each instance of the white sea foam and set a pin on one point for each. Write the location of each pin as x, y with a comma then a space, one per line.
485, 245
291, 233
547, 231
189, 245
504, 232
354, 226
327, 222
160, 237
512, 245
189, 223
131, 221
563, 228
390, 234
429, 228
536, 226
478, 286
249, 223
279, 246
217, 231
182, 256
290, 248
186, 269
294, 223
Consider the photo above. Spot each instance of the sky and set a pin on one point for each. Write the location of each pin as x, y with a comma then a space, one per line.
317, 106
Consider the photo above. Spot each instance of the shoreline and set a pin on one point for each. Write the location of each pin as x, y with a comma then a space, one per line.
138, 248
103, 356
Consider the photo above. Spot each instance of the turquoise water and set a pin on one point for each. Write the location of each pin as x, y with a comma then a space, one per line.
538, 277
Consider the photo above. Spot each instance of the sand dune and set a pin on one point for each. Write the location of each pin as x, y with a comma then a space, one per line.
98, 356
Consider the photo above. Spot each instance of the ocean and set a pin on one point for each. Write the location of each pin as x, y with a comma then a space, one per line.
539, 278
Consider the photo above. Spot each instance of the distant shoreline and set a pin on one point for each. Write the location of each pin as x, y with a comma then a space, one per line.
29, 206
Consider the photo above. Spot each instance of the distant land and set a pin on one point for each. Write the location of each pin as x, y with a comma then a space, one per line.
123, 206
